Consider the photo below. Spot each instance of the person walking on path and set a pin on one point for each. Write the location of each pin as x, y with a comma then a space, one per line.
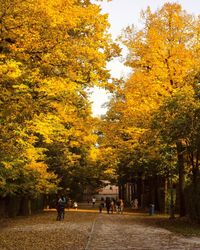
112, 206
93, 201
121, 206
75, 205
60, 207
108, 204
135, 203
101, 205
118, 206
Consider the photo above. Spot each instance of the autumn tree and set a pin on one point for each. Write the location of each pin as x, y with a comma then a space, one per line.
164, 53
49, 55
180, 122
163, 56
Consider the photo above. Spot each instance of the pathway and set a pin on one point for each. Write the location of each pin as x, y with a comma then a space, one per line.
120, 232
88, 230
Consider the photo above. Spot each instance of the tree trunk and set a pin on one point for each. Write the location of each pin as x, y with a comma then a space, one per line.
2, 207
180, 149
140, 191
156, 196
165, 193
25, 206
12, 204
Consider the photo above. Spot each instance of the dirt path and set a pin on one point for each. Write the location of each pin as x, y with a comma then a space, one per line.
43, 232
88, 231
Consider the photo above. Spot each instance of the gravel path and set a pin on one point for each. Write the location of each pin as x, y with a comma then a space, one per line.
89, 231
120, 232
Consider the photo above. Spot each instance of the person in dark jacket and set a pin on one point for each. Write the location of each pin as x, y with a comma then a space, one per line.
60, 206
108, 204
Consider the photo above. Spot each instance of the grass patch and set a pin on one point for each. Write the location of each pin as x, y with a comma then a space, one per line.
182, 226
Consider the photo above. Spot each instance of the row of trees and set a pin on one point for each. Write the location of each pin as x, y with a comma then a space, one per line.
51, 53
153, 123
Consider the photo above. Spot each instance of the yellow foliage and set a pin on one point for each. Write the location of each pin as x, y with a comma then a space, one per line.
10, 70
50, 53
164, 57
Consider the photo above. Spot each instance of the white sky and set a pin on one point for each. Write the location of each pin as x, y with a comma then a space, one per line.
123, 13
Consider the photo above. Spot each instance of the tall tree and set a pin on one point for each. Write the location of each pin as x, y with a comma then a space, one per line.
163, 58
50, 53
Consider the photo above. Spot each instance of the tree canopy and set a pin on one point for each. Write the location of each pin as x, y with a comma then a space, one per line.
151, 127
50, 54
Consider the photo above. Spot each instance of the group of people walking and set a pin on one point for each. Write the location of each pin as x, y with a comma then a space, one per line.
111, 205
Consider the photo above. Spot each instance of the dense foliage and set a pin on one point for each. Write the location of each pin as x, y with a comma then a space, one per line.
50, 54
152, 126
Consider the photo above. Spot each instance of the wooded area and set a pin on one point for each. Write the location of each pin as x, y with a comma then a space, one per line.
51, 54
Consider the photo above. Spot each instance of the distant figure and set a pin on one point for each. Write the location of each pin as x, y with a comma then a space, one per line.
108, 204
102, 201
101, 205
118, 206
93, 201
121, 206
135, 203
62, 202
75, 205
60, 207
112, 206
